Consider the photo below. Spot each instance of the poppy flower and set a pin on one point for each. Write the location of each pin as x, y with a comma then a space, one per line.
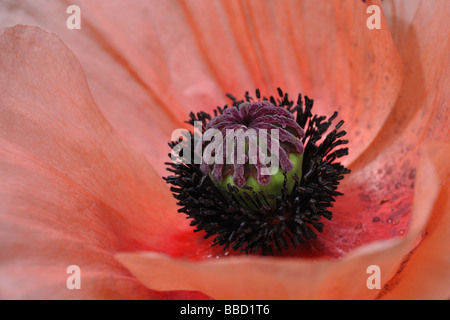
85, 116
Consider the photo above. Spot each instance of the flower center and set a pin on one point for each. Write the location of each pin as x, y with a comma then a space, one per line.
261, 148
260, 143
237, 198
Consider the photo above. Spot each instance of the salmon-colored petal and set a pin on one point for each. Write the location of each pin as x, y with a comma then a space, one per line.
399, 16
153, 60
378, 201
48, 223
288, 278
254, 44
215, 47
425, 274
378, 194
379, 191
320, 48
72, 192
120, 83
363, 215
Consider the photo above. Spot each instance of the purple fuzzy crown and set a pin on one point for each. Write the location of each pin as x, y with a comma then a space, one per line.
257, 116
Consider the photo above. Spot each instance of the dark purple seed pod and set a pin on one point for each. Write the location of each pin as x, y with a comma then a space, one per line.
255, 121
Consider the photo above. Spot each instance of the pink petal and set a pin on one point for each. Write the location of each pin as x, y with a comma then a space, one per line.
120, 83
321, 49
72, 192
379, 198
425, 273
381, 184
276, 278
151, 62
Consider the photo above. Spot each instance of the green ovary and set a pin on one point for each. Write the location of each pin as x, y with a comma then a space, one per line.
275, 185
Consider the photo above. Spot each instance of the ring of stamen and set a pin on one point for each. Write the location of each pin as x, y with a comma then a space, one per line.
249, 221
